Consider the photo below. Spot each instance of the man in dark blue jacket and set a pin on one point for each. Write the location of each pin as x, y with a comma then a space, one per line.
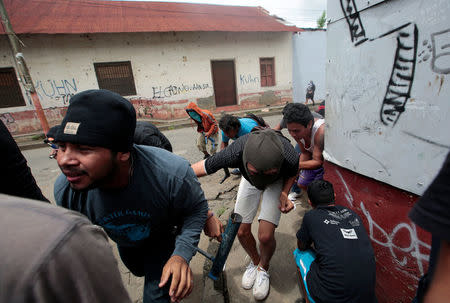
147, 199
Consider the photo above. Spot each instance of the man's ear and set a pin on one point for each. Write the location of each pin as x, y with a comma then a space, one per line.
123, 156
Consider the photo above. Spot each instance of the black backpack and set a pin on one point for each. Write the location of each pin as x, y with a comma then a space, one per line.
258, 119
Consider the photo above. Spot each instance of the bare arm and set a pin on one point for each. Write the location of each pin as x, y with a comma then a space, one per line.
278, 127
302, 246
286, 205
223, 145
439, 292
314, 161
199, 168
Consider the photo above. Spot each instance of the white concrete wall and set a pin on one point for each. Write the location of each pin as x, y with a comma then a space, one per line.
62, 65
309, 58
368, 69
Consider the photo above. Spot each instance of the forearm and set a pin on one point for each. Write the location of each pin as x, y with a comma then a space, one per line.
439, 291
189, 237
302, 246
199, 168
309, 161
310, 164
288, 184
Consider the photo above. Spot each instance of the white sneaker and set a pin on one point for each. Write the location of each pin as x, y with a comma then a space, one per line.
293, 196
262, 284
249, 276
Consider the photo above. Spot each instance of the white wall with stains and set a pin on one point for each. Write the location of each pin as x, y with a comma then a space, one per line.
166, 66
309, 59
389, 89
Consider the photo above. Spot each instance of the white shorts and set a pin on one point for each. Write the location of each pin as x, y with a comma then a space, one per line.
248, 198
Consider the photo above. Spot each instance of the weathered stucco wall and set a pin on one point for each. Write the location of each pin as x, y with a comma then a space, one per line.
389, 89
387, 123
169, 69
309, 61
401, 248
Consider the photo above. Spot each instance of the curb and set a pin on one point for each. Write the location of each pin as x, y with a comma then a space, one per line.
25, 142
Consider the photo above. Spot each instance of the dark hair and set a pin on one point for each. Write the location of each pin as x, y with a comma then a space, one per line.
286, 108
297, 113
320, 192
229, 122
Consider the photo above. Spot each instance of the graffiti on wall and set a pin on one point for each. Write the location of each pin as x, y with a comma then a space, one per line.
438, 49
9, 122
402, 75
400, 82
357, 32
248, 79
57, 90
174, 90
389, 240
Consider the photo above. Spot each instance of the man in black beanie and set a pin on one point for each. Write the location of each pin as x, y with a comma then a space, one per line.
341, 267
269, 164
147, 199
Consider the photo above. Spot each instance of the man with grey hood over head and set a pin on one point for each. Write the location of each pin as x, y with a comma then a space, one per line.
269, 164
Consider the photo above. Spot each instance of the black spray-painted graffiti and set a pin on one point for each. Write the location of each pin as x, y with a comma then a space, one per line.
248, 79
402, 75
357, 32
173, 90
58, 90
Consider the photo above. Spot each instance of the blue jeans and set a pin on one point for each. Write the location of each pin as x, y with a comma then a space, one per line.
149, 262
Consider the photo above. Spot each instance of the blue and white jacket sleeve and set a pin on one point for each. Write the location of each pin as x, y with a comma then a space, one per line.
190, 203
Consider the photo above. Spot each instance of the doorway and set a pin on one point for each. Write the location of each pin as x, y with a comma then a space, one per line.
224, 82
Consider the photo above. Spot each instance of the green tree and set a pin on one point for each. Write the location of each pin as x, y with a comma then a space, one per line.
322, 19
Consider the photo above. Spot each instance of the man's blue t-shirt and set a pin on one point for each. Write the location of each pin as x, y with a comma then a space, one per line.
247, 124
163, 193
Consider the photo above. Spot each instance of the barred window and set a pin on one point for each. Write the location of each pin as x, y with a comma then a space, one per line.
10, 92
116, 77
267, 71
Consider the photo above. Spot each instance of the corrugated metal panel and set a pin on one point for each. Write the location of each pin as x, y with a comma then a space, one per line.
84, 16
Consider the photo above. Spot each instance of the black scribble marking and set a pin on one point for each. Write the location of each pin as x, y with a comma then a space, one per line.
400, 83
427, 140
357, 32
375, 159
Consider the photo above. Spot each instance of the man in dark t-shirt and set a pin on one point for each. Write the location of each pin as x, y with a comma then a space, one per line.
432, 213
268, 163
332, 271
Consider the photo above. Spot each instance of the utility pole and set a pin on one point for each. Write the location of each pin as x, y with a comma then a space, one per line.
22, 68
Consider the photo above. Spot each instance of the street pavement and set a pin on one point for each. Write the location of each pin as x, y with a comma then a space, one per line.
221, 198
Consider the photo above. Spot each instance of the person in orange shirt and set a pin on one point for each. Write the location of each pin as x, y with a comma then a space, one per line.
207, 127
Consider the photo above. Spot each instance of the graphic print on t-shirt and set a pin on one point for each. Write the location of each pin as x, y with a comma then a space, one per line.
126, 227
349, 233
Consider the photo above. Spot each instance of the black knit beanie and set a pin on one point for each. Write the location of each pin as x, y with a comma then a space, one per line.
99, 118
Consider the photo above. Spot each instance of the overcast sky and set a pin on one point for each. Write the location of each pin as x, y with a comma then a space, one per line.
303, 13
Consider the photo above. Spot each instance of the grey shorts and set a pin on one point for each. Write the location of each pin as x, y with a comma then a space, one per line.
248, 198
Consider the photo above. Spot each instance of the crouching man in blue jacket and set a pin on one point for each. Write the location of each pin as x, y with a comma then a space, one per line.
147, 199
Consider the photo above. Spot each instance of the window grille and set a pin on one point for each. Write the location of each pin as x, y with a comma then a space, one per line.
116, 77
10, 92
